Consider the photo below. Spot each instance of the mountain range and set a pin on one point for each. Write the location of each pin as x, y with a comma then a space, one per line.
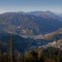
30, 29
30, 23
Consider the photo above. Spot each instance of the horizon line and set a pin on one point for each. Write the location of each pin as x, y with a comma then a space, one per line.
30, 11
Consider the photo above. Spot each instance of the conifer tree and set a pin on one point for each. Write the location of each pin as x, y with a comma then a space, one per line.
10, 50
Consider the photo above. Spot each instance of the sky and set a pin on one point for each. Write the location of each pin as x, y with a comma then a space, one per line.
30, 5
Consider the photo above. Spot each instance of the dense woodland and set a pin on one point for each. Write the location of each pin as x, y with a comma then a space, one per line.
39, 55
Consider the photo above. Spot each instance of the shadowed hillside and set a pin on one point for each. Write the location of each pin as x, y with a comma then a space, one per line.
30, 23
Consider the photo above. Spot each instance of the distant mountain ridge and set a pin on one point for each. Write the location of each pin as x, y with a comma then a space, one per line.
30, 23
47, 14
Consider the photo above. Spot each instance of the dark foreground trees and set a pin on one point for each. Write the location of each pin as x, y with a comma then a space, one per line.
47, 55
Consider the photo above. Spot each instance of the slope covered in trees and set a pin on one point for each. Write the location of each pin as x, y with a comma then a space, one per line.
46, 55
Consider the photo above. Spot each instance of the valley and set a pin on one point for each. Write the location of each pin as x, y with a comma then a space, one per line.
30, 37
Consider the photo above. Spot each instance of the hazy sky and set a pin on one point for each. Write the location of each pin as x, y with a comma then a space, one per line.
30, 5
